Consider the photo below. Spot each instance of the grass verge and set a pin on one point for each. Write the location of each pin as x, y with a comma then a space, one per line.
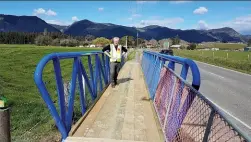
234, 64
131, 55
30, 118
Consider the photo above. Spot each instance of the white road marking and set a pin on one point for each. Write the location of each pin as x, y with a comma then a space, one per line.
225, 111
224, 68
216, 75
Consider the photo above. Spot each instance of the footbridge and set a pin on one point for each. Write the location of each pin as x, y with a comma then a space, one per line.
151, 103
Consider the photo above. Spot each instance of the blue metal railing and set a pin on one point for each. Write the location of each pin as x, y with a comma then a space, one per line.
184, 113
152, 62
101, 73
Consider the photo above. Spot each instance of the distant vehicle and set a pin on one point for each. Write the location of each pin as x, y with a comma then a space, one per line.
247, 49
167, 52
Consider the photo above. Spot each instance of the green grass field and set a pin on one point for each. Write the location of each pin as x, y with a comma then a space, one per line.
131, 55
222, 46
30, 118
236, 60
228, 55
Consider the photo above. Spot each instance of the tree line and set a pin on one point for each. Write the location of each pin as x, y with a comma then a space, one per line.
59, 39
33, 38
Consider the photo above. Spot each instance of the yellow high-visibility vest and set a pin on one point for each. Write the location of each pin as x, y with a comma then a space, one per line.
115, 54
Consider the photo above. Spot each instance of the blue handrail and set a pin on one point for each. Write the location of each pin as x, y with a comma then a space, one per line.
101, 71
152, 62
180, 108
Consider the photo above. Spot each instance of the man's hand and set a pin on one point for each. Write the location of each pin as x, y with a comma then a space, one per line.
108, 54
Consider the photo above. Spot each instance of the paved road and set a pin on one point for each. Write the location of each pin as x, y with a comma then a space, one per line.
230, 90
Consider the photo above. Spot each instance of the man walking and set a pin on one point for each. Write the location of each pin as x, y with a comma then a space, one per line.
115, 52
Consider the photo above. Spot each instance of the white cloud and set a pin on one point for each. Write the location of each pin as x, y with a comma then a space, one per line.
74, 18
202, 25
101, 9
58, 22
179, 2
144, 2
168, 22
241, 24
136, 15
41, 11
200, 10
51, 13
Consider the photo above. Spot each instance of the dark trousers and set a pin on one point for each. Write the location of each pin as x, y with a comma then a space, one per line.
114, 66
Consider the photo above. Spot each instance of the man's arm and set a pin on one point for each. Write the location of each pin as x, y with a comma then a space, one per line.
106, 50
124, 49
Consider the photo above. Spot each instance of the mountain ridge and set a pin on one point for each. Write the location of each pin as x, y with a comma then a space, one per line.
86, 27
24, 24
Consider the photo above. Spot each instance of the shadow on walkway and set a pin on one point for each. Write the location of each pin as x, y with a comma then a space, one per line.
123, 80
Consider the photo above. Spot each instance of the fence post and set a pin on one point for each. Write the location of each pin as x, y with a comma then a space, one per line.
227, 55
213, 54
5, 125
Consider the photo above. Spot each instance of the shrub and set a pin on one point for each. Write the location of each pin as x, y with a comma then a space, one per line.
191, 46
42, 40
69, 42
56, 42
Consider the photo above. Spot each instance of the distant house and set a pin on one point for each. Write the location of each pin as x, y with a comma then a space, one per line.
247, 49
92, 45
215, 49
148, 44
99, 45
175, 46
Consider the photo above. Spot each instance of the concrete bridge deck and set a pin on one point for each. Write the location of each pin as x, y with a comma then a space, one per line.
123, 113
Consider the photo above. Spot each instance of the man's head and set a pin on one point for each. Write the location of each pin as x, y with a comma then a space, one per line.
115, 40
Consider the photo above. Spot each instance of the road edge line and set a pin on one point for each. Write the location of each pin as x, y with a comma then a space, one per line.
223, 68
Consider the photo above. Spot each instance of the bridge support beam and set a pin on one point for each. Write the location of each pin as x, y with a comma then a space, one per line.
5, 125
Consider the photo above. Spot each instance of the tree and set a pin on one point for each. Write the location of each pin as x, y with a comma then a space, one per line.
101, 41
153, 42
191, 46
175, 40
45, 31
131, 42
141, 42
89, 38
123, 41
249, 42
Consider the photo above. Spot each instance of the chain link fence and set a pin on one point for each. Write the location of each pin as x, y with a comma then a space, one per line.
185, 115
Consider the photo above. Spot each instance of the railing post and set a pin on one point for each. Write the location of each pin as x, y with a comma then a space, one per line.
171, 65
5, 125
209, 125
81, 89
91, 72
184, 71
60, 88
72, 93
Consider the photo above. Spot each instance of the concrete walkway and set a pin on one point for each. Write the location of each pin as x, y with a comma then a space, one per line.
122, 113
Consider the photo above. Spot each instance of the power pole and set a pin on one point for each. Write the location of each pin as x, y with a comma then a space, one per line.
137, 37
126, 42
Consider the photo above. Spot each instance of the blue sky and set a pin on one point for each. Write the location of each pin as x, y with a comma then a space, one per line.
172, 14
